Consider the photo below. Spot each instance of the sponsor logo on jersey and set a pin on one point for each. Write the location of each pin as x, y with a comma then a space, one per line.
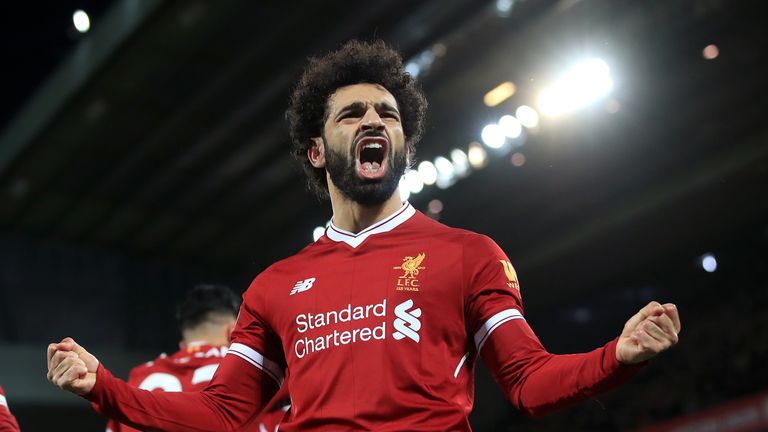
411, 267
407, 324
511, 275
351, 324
302, 285
348, 317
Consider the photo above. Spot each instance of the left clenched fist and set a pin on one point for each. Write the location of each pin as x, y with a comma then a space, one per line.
652, 330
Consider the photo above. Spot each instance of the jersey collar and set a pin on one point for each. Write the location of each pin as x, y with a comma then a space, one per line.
391, 222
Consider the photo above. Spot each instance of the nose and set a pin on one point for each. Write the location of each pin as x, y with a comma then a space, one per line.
371, 121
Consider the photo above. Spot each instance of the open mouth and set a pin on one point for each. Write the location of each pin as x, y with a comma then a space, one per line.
371, 152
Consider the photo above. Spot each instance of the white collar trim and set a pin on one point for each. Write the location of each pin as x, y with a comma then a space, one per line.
391, 222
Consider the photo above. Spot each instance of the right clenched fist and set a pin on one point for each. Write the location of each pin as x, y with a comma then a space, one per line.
71, 367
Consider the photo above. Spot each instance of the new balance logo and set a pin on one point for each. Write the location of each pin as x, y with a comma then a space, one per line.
302, 285
407, 322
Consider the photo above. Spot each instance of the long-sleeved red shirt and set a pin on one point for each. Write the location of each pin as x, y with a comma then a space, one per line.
376, 330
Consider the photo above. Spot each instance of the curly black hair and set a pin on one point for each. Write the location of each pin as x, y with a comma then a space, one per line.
203, 300
355, 62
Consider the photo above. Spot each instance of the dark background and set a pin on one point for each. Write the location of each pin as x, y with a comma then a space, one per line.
150, 154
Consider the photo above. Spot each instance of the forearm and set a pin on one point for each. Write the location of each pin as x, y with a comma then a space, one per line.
539, 383
225, 405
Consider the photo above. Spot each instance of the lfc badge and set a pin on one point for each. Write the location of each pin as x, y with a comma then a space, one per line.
410, 267
511, 275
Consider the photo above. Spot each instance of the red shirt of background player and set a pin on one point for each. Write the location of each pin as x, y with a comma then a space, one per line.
7, 420
191, 369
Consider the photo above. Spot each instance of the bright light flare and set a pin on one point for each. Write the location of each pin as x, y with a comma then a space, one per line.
493, 136
477, 155
460, 162
446, 174
510, 126
405, 192
709, 263
318, 232
81, 21
499, 94
527, 116
413, 181
581, 85
428, 173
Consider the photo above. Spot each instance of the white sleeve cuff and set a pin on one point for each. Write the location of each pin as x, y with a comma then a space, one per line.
253, 357
493, 323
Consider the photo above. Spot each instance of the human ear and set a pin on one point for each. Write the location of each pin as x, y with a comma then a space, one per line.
316, 153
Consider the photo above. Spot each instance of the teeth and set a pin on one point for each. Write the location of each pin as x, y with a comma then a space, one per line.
372, 145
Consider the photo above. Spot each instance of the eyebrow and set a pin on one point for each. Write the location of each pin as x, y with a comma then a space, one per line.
379, 106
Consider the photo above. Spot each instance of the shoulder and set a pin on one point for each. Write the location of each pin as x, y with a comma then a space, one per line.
468, 240
280, 272
158, 363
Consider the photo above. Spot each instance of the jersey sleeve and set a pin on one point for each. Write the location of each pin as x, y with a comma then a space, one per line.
253, 339
243, 383
535, 381
492, 289
7, 420
134, 378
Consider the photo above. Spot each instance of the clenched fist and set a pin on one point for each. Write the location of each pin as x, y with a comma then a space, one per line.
651, 331
71, 367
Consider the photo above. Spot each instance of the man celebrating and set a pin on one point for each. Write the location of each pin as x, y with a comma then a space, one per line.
379, 323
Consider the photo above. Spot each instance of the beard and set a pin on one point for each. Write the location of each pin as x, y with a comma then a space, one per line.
342, 170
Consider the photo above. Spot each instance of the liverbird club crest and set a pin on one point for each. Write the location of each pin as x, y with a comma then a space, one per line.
411, 267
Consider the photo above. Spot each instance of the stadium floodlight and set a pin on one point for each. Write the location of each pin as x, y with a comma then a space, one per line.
413, 181
460, 162
528, 116
499, 94
428, 173
477, 155
413, 69
318, 232
708, 263
405, 191
446, 174
504, 6
510, 126
493, 136
81, 20
586, 82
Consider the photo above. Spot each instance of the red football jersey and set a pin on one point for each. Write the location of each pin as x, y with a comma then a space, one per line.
7, 420
189, 369
381, 327
379, 330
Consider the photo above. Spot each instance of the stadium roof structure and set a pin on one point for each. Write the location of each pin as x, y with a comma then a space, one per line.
161, 133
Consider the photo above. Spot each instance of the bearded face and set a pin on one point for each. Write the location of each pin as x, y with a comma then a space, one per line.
366, 173
364, 145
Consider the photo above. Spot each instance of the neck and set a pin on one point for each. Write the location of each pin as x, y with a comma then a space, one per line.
204, 337
354, 217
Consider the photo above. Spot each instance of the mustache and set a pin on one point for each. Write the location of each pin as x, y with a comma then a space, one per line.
368, 133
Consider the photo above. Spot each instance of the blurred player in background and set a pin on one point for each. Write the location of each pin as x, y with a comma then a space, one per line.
381, 321
7, 420
206, 319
